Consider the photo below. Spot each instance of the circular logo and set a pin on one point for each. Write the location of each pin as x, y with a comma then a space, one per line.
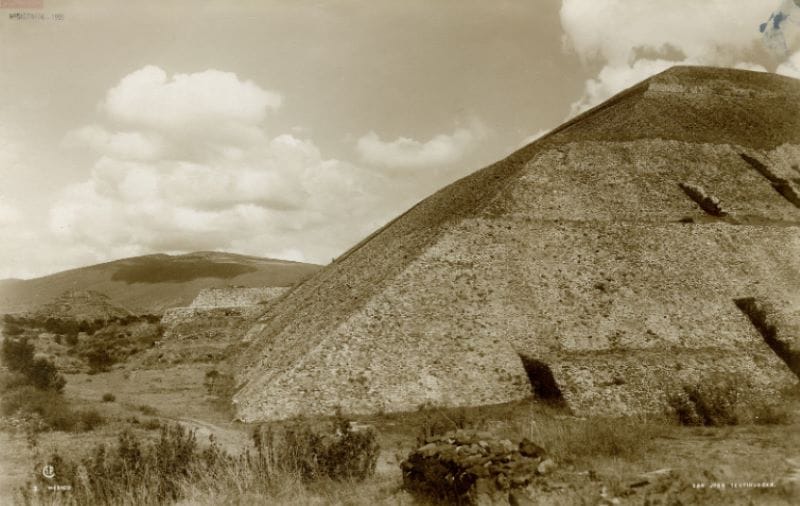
49, 472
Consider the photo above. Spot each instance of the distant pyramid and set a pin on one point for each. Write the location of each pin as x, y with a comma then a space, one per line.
85, 305
600, 263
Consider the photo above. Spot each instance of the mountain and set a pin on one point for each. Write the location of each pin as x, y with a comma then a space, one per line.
599, 265
153, 283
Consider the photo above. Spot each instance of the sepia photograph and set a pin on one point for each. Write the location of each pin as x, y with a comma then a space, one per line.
399, 252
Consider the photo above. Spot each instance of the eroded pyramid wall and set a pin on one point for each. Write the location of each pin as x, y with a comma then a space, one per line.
582, 251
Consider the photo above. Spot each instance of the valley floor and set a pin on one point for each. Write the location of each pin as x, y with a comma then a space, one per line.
599, 460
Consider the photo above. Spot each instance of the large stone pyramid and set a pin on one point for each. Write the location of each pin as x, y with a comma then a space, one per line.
601, 263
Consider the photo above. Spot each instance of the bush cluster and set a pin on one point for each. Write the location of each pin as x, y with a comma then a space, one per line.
117, 341
436, 422
105, 341
50, 407
18, 356
174, 465
710, 403
719, 401
33, 386
338, 453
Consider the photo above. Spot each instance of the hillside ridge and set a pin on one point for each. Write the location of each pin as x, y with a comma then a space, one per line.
153, 283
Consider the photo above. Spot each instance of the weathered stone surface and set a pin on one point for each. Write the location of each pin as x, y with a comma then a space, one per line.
237, 296
216, 319
465, 467
778, 322
573, 251
81, 305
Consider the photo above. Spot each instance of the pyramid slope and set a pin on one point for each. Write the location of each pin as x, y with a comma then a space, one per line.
581, 250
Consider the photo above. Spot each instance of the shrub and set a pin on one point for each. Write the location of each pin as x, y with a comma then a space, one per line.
71, 339
99, 360
88, 420
574, 440
17, 354
771, 414
12, 330
338, 453
39, 372
151, 424
713, 402
44, 375
53, 409
109, 397
211, 377
148, 410
437, 422
12, 380
174, 468
155, 471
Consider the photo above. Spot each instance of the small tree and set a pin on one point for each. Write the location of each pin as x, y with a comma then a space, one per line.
211, 379
17, 354
13, 330
99, 360
44, 375
72, 339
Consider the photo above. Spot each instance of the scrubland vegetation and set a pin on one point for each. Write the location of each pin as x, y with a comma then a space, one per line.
721, 401
32, 392
174, 466
157, 460
99, 344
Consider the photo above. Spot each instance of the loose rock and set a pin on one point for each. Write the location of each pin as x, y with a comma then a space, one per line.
471, 468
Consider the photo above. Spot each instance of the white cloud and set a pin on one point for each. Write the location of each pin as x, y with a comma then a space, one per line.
8, 214
791, 67
125, 145
780, 30
638, 38
404, 152
535, 136
750, 66
615, 78
245, 205
211, 102
149, 98
185, 164
181, 178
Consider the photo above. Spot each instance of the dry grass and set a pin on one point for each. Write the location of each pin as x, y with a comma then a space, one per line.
138, 470
583, 440
611, 451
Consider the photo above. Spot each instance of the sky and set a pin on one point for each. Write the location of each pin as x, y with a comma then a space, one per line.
294, 129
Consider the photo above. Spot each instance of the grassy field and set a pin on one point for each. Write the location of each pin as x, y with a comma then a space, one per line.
597, 458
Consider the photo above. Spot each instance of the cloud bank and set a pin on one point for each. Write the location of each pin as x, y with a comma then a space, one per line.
782, 37
406, 153
184, 164
634, 39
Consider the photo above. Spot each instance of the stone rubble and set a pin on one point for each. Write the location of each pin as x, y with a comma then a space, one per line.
476, 468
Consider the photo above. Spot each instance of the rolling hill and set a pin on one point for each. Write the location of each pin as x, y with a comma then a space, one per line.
153, 283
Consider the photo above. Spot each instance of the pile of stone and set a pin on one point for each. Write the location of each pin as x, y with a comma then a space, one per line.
475, 468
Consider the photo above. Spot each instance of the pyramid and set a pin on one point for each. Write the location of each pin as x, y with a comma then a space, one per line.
85, 305
600, 264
